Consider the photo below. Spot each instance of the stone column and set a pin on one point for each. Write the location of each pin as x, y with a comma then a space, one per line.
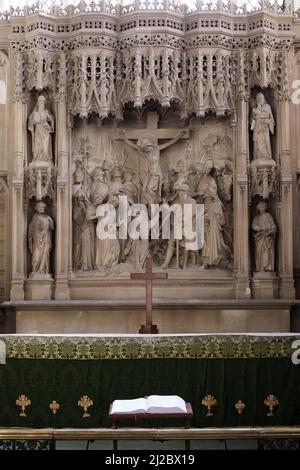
285, 208
62, 206
19, 235
241, 198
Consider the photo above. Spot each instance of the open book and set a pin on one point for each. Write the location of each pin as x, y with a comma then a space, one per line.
152, 404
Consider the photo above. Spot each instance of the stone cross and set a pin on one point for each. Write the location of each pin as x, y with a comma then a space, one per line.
149, 276
156, 133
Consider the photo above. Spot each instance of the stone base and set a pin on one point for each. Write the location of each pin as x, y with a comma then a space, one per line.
39, 287
198, 284
17, 289
287, 288
265, 285
62, 289
260, 163
206, 316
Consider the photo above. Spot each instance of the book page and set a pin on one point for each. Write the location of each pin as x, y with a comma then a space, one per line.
129, 406
165, 404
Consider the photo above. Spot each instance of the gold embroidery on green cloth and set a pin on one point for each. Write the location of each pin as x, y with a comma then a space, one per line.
209, 401
85, 402
271, 401
189, 347
54, 406
240, 406
23, 402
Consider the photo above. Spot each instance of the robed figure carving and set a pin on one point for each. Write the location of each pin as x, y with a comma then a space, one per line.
39, 239
262, 124
41, 126
264, 232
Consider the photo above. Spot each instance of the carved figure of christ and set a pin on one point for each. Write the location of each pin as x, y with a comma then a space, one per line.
147, 144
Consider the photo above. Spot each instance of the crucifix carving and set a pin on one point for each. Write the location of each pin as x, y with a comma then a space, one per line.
149, 276
147, 143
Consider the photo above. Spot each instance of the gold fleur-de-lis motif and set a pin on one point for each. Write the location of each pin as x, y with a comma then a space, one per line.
209, 401
23, 401
85, 402
271, 401
240, 406
54, 406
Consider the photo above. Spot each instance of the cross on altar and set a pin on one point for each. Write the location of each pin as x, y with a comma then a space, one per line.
149, 276
155, 132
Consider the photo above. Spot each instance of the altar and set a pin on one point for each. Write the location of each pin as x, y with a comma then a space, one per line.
60, 381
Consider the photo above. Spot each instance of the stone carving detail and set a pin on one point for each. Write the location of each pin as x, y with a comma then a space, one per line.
264, 181
262, 124
181, 199
3, 185
40, 174
215, 251
227, 6
40, 182
150, 172
201, 73
91, 84
41, 126
264, 173
208, 77
39, 240
264, 231
40, 69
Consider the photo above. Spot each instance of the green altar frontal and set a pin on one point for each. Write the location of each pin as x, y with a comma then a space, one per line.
70, 381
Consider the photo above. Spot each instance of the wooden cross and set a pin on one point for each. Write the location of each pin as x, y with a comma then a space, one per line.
152, 128
149, 276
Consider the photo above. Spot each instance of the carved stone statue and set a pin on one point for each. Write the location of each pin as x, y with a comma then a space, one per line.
41, 126
215, 251
131, 189
108, 249
83, 233
262, 124
148, 147
264, 232
182, 199
99, 187
39, 239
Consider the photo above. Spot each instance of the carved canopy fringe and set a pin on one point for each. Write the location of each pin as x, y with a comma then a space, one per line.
100, 60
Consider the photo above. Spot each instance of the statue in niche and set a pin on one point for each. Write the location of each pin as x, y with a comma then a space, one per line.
39, 239
182, 199
108, 249
262, 124
41, 126
264, 232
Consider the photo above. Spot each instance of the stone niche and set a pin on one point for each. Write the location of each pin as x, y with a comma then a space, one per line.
108, 161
